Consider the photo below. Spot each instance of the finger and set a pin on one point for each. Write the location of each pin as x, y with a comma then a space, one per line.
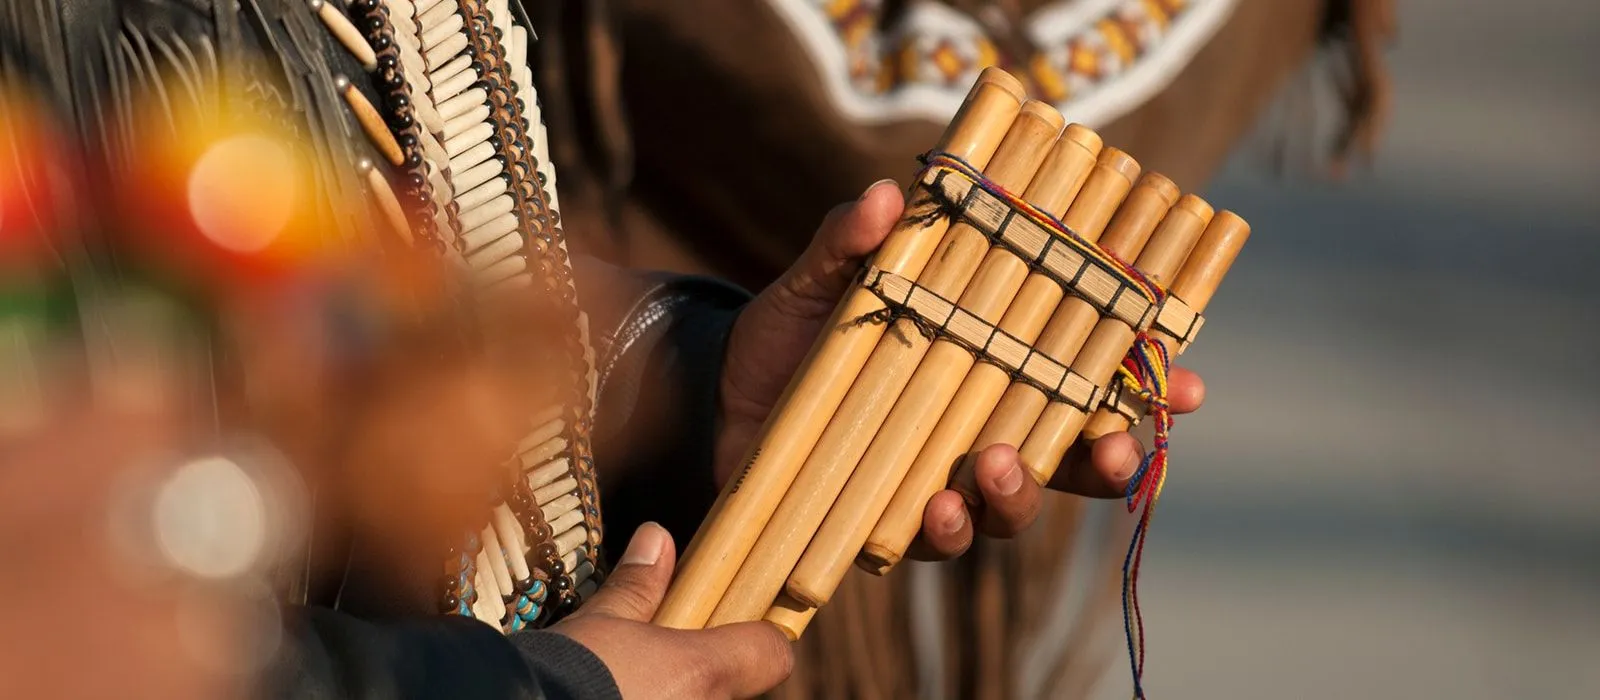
1100, 469
849, 233
1010, 495
744, 660
946, 529
1185, 390
864, 225
635, 588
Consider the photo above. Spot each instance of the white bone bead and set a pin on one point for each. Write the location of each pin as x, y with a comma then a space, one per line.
493, 253
485, 213
504, 225
555, 490
467, 139
547, 474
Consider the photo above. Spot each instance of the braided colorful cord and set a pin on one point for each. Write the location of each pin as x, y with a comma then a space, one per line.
1144, 371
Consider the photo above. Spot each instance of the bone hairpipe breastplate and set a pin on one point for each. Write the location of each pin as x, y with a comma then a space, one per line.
464, 169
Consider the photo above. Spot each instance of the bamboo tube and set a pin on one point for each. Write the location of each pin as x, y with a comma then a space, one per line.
1058, 427
877, 386
791, 616
1194, 293
1025, 319
932, 386
741, 511
1069, 326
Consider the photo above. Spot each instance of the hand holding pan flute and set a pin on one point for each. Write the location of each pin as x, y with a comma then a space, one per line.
774, 332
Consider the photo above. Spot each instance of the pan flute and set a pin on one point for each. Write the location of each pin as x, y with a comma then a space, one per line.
999, 310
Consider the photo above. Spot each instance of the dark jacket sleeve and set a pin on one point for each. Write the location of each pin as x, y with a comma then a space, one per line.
660, 339
332, 655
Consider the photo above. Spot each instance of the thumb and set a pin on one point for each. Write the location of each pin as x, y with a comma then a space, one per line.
849, 233
748, 659
637, 585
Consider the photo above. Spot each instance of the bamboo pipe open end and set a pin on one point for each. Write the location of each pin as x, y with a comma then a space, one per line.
985, 116
1175, 240
1062, 175
1196, 206
877, 559
1108, 184
791, 617
999, 78
805, 595
1139, 215
1162, 185
1083, 136
1045, 113
1119, 162
1215, 252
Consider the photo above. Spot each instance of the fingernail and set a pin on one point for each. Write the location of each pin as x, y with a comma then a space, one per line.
1130, 465
1011, 481
645, 547
956, 522
867, 192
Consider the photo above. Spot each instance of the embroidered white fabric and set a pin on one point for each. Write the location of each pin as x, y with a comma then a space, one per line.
1052, 30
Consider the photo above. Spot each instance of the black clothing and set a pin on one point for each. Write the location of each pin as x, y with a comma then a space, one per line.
330, 655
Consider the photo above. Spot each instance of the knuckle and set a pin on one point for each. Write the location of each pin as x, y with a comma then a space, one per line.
635, 597
706, 674
628, 598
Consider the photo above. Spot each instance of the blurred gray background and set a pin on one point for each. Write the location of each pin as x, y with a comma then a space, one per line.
1394, 491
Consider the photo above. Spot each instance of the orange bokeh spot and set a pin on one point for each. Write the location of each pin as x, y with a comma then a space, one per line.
225, 203
243, 193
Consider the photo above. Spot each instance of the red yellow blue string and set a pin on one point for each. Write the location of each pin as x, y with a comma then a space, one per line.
1143, 371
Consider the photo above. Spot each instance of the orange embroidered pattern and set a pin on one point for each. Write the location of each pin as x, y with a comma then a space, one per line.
882, 60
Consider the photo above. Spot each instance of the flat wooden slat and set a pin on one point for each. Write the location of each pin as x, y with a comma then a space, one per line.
1090, 279
985, 340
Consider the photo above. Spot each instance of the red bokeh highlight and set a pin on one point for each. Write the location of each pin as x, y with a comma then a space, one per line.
35, 188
